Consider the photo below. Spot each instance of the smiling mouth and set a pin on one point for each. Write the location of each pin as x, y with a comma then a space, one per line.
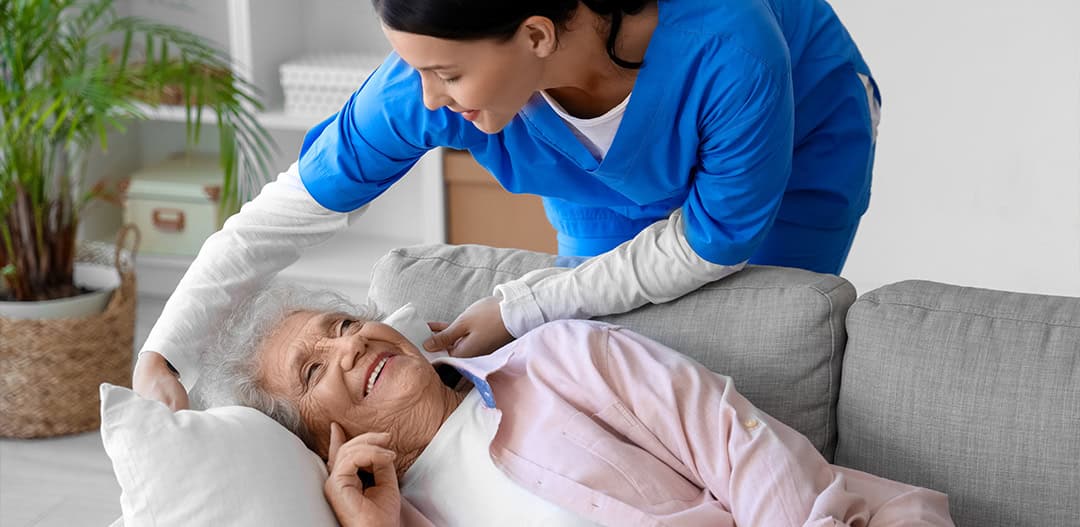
375, 371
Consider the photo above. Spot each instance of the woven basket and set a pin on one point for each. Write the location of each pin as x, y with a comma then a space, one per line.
50, 369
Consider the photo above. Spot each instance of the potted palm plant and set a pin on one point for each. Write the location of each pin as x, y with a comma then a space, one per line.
71, 72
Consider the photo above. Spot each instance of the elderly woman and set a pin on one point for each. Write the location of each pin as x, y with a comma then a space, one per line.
576, 423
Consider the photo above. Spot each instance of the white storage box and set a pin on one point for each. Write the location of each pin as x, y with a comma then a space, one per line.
175, 204
320, 84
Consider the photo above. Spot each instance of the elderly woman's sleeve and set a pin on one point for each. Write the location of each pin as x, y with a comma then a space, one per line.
268, 234
766, 472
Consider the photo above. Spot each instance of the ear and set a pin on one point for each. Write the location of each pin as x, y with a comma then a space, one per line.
540, 35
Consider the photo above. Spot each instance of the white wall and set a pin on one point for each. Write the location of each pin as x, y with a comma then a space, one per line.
977, 179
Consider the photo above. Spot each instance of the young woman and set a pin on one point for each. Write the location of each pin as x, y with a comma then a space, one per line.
673, 141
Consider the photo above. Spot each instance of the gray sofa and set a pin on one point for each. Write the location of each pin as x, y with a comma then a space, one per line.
971, 392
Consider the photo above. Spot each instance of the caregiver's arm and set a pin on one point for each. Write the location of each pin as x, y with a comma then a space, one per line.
268, 234
656, 266
345, 162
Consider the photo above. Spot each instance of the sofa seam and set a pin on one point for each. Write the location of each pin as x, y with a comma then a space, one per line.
458, 264
1054, 323
832, 355
721, 287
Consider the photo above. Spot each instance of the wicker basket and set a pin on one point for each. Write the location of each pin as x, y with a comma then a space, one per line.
50, 369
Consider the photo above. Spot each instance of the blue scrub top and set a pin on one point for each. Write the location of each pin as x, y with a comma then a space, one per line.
744, 111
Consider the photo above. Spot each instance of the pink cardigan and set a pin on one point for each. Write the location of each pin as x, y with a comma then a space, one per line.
627, 432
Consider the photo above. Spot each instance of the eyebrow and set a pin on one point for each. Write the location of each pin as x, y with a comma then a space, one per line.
435, 67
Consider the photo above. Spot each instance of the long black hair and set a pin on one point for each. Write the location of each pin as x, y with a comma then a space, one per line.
497, 19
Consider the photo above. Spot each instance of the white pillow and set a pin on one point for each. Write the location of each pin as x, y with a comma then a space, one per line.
224, 466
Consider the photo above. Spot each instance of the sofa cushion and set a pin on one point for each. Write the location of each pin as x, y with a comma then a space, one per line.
971, 392
777, 332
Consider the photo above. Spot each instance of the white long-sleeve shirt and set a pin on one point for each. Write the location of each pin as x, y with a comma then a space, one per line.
270, 233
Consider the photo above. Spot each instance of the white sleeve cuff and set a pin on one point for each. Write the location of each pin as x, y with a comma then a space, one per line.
518, 307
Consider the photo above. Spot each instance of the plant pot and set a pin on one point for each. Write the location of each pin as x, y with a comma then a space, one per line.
101, 280
50, 368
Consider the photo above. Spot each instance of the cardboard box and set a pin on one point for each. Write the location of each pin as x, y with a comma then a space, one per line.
480, 211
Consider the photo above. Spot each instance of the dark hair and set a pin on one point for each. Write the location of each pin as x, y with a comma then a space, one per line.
498, 19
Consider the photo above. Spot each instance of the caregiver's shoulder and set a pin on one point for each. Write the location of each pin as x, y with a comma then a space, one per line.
748, 22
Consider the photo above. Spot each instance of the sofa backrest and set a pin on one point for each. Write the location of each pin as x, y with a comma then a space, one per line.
971, 392
779, 333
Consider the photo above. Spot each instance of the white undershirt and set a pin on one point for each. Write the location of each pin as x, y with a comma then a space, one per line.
454, 481
597, 133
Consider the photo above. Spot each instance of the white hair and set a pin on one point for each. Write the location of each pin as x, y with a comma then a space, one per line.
232, 363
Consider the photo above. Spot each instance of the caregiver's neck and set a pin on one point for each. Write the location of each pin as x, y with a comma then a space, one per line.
581, 76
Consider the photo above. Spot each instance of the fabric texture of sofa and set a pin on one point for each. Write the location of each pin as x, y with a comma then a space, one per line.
971, 392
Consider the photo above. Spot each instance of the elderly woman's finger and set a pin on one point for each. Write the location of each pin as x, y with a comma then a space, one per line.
385, 492
337, 438
360, 456
437, 326
372, 503
377, 439
338, 441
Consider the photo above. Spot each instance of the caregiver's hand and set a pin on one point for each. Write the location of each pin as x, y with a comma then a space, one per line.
154, 380
376, 506
479, 330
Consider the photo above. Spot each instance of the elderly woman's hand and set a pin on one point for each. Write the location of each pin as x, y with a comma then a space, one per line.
479, 330
378, 505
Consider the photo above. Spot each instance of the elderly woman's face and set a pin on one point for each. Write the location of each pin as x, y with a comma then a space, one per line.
363, 375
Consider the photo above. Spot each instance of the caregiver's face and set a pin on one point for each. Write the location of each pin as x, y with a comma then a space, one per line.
363, 375
486, 81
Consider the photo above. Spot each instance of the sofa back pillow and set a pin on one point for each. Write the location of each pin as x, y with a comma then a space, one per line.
970, 392
777, 332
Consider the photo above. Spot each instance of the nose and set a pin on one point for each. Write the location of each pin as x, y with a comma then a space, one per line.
348, 350
434, 98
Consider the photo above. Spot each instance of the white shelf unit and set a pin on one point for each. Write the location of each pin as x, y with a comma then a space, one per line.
259, 36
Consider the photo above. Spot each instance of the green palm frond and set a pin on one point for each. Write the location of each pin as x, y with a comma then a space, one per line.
69, 74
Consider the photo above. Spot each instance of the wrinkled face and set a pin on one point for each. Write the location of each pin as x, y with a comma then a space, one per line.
365, 376
486, 81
